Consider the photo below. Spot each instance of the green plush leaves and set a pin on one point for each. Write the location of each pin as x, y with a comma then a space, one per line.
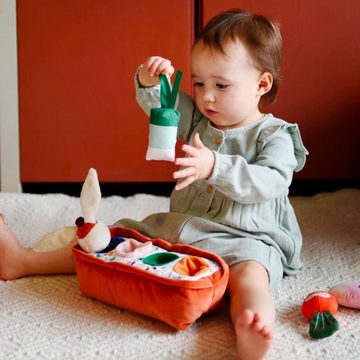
322, 325
168, 96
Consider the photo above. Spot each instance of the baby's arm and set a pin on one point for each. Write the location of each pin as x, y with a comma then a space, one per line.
200, 161
266, 178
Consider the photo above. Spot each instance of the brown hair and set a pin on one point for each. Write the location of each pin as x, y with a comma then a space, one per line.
260, 36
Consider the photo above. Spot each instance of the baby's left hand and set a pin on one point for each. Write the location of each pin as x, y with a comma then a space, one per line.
198, 165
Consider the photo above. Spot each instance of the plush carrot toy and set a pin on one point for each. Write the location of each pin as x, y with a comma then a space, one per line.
319, 307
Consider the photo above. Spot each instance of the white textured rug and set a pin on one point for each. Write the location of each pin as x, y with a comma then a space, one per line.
46, 317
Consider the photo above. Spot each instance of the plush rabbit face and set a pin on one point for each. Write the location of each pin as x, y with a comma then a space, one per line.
93, 235
97, 238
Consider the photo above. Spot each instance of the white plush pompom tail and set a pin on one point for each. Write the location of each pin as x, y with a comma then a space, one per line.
90, 197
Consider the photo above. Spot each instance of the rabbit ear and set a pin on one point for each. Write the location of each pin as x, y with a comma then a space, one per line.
90, 197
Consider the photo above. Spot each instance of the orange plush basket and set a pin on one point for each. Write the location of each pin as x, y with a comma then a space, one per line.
177, 302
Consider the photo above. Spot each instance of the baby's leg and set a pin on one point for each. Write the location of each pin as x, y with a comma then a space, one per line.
17, 261
252, 309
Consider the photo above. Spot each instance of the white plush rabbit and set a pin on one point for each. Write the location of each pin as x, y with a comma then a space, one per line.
93, 235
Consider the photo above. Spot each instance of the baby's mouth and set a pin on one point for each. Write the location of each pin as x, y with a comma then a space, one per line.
210, 112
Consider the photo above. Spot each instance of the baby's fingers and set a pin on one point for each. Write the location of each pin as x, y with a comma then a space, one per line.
165, 67
151, 63
157, 65
190, 150
186, 161
184, 183
183, 173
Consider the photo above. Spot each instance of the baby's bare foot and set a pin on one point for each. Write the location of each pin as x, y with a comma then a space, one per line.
253, 338
11, 253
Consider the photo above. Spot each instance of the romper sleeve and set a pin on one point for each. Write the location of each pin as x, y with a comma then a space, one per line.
280, 152
146, 97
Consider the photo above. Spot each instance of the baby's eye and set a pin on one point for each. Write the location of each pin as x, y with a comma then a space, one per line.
222, 86
198, 84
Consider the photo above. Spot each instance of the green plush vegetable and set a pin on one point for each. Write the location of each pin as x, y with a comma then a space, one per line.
320, 307
164, 122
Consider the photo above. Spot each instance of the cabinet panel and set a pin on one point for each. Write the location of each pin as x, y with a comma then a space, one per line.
320, 78
76, 96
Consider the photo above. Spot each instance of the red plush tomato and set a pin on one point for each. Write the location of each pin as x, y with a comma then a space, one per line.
319, 307
317, 302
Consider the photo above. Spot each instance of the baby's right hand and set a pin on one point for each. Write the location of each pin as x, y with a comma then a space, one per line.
152, 68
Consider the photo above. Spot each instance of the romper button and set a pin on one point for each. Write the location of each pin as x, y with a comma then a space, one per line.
209, 189
218, 140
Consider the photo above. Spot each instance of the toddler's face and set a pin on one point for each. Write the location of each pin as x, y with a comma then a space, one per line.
226, 86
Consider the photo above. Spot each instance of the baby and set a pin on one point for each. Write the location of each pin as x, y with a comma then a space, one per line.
231, 195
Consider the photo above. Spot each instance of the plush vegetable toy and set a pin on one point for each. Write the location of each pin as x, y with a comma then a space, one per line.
319, 307
93, 235
347, 294
164, 122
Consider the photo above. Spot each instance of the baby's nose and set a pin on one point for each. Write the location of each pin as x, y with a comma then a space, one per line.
208, 96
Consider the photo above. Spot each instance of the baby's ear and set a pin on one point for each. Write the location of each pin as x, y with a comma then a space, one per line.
264, 83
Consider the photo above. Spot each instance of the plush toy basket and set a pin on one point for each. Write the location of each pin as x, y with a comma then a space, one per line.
173, 283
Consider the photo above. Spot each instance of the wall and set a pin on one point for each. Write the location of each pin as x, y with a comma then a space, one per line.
9, 133
320, 87
77, 61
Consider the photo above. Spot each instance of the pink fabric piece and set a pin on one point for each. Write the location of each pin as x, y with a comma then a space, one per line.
353, 295
347, 294
133, 249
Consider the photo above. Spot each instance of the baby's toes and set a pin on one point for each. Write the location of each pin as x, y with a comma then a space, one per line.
266, 332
